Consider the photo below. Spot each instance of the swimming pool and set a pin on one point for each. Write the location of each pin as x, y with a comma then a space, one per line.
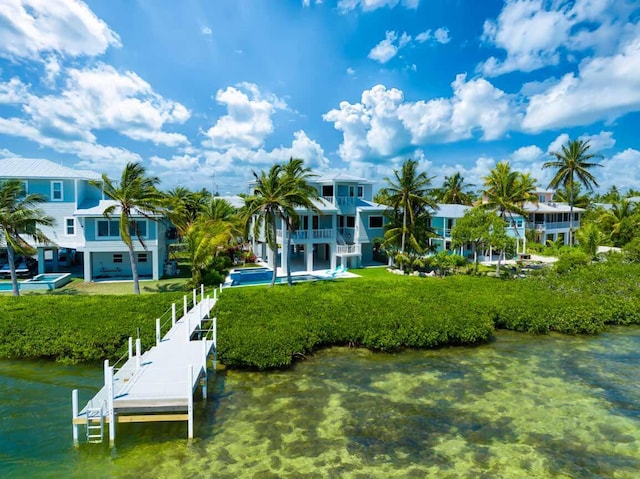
246, 281
48, 281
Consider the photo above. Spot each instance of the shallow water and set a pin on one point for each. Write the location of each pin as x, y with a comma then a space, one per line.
550, 406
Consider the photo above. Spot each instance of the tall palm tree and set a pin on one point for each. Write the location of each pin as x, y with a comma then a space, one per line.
572, 164
268, 203
134, 194
301, 194
579, 199
408, 192
455, 191
620, 221
507, 190
20, 218
184, 206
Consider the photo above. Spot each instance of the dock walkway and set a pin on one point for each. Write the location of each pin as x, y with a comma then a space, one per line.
157, 385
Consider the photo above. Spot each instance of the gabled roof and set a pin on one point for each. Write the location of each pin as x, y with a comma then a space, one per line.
450, 211
26, 168
550, 208
330, 178
365, 205
93, 209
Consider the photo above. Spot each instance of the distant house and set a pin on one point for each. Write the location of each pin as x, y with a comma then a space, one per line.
343, 232
550, 219
82, 234
445, 216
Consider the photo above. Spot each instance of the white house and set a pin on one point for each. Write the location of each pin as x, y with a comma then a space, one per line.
343, 232
550, 219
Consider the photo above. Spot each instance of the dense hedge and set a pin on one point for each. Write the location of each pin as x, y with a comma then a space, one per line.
77, 328
261, 327
265, 327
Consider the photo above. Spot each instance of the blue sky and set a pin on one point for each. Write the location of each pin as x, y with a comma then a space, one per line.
205, 92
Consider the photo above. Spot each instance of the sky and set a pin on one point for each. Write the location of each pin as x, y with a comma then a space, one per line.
205, 92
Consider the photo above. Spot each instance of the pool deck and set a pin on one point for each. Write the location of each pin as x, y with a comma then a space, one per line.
156, 385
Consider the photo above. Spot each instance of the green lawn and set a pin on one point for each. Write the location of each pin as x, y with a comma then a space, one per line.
78, 287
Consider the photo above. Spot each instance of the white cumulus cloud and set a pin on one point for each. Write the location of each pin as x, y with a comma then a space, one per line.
345, 6
386, 49
248, 119
29, 28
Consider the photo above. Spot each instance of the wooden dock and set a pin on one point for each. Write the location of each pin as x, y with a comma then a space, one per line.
157, 385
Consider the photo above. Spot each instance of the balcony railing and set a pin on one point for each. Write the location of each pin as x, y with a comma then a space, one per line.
347, 249
326, 233
557, 225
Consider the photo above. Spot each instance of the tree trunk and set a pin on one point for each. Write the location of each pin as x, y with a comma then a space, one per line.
134, 270
498, 264
404, 232
274, 252
289, 281
476, 260
12, 268
571, 211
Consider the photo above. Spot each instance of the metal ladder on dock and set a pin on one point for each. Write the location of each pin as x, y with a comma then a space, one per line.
95, 424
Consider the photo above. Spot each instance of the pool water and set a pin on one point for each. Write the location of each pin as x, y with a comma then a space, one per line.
279, 280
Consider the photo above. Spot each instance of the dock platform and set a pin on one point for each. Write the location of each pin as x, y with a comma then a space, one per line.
159, 384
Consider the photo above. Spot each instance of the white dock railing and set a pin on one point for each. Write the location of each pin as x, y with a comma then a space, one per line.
160, 375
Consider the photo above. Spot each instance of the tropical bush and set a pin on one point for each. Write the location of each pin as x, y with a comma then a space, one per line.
264, 327
78, 328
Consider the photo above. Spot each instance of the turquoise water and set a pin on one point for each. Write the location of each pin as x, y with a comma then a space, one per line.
522, 406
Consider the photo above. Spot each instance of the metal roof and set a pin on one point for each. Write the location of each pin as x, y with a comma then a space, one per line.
330, 178
550, 208
450, 211
25, 168
93, 209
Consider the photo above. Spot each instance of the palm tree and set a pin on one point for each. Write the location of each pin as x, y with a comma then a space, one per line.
134, 194
215, 228
573, 163
301, 194
507, 190
184, 206
580, 200
620, 221
408, 192
20, 218
454, 190
268, 203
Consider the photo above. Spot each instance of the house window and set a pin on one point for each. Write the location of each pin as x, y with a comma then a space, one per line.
315, 222
327, 190
541, 198
360, 191
142, 257
375, 221
351, 221
117, 257
138, 228
56, 191
24, 190
70, 226
108, 229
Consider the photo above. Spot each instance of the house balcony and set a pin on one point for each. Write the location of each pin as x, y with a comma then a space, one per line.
546, 226
303, 235
348, 250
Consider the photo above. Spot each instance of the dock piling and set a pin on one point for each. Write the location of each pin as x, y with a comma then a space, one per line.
195, 297
138, 353
74, 412
158, 332
111, 410
184, 305
130, 347
173, 314
202, 292
215, 333
190, 400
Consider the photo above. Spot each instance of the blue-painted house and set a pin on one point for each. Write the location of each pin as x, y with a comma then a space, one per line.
82, 235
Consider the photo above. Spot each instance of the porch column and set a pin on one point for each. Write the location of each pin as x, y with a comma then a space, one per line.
55, 260
41, 265
332, 254
308, 253
157, 266
87, 257
284, 256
